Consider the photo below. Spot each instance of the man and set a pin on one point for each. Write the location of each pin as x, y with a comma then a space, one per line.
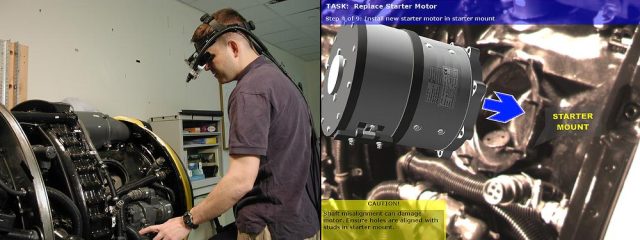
269, 147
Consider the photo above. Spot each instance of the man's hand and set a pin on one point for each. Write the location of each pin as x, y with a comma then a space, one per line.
172, 229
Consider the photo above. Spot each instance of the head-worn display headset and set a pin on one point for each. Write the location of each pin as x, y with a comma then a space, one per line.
201, 57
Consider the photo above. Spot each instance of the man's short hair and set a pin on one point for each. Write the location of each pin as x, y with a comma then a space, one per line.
225, 16
228, 16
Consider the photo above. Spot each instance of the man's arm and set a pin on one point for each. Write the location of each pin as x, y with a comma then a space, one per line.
239, 180
234, 185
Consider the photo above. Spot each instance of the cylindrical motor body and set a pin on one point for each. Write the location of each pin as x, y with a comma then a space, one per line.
392, 86
102, 128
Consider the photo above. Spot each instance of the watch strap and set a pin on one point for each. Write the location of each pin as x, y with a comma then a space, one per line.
187, 218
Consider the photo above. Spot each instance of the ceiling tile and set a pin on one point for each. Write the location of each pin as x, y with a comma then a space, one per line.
187, 1
258, 13
305, 50
271, 26
311, 57
312, 31
294, 6
306, 18
211, 6
283, 36
297, 43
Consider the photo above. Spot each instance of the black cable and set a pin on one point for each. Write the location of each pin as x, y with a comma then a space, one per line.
168, 191
112, 189
141, 183
65, 202
21, 234
120, 167
416, 167
133, 234
387, 190
121, 215
4, 186
525, 222
104, 174
12, 191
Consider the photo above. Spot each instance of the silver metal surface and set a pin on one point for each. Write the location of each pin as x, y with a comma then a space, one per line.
460, 224
496, 139
507, 189
19, 141
335, 73
554, 213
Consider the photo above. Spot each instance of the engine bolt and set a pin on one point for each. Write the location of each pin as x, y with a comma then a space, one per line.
356, 172
631, 111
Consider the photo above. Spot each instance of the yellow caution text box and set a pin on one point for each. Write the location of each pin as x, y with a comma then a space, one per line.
383, 219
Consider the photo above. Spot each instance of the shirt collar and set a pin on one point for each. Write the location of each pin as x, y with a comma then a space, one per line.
256, 62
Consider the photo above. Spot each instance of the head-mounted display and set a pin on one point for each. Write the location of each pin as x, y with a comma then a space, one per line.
201, 56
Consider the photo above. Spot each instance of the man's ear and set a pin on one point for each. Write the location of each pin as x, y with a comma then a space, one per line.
233, 45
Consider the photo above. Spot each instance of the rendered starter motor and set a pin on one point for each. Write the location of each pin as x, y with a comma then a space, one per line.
386, 85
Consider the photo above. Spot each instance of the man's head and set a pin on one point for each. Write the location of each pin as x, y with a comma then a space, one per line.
232, 51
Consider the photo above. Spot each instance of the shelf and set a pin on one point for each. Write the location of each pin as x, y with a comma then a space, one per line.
200, 134
172, 130
204, 186
200, 145
204, 182
201, 120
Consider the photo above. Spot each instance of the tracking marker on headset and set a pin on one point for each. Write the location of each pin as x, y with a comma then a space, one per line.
386, 85
201, 57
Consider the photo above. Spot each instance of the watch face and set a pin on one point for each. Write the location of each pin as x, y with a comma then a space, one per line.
188, 220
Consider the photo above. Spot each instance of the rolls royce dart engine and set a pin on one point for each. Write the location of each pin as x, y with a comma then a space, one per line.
84, 175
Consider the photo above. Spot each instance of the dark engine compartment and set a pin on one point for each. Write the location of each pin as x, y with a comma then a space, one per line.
84, 175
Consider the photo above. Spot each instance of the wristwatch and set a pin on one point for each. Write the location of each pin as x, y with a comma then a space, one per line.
187, 218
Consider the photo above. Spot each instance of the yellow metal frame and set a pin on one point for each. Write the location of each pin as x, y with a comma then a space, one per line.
184, 178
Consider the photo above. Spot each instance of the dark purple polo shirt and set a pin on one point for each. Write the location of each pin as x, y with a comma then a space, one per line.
269, 118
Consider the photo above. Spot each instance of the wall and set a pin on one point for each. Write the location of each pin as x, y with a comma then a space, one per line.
307, 73
90, 50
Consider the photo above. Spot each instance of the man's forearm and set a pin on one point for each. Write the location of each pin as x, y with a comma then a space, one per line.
223, 197
231, 188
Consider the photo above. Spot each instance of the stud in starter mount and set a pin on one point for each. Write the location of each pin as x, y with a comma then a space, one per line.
386, 85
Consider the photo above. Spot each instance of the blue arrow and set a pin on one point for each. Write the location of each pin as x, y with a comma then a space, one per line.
506, 107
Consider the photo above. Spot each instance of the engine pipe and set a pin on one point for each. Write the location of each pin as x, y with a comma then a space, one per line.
525, 222
171, 195
58, 197
159, 176
460, 225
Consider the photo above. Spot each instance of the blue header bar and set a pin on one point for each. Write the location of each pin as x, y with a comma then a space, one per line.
454, 12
